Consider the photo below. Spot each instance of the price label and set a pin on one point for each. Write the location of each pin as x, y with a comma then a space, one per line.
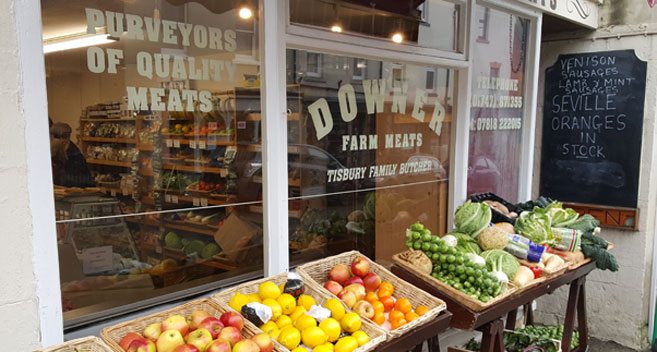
158, 249
174, 199
176, 143
167, 198
204, 202
192, 144
201, 145
169, 143
97, 259
113, 193
196, 202
241, 125
224, 172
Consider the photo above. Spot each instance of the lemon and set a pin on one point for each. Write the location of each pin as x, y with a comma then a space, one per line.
237, 301
287, 302
346, 344
361, 337
299, 349
336, 308
268, 290
332, 329
274, 334
313, 337
254, 298
323, 348
268, 327
306, 301
305, 321
282, 287
351, 322
328, 346
297, 313
290, 337
276, 309
283, 321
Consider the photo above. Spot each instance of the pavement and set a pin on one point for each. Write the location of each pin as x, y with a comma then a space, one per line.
596, 345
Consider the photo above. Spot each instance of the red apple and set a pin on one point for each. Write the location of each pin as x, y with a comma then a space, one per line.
333, 287
365, 309
348, 297
230, 334
199, 338
169, 340
339, 273
264, 342
195, 319
358, 291
141, 345
128, 338
186, 348
218, 346
354, 280
246, 346
175, 322
372, 282
213, 325
232, 319
360, 266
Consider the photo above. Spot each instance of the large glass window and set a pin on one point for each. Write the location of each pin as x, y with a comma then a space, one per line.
155, 140
428, 23
369, 145
498, 114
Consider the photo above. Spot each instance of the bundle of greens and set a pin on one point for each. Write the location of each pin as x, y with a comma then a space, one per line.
559, 216
586, 223
465, 244
530, 338
541, 202
595, 247
535, 225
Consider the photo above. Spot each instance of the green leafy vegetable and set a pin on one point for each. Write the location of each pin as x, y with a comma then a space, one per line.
466, 244
559, 216
499, 260
471, 218
586, 223
535, 225
541, 202
595, 247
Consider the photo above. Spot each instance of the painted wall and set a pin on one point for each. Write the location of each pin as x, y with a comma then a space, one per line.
28, 225
617, 303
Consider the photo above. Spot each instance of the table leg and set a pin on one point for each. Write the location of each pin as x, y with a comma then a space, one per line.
511, 319
573, 298
492, 339
418, 347
434, 344
582, 325
529, 314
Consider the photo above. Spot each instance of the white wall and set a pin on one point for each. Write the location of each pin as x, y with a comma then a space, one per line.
617, 303
28, 233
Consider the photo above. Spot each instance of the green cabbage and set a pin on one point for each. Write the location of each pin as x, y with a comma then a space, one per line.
501, 260
535, 225
465, 244
561, 217
471, 218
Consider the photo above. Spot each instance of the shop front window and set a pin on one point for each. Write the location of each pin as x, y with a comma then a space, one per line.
427, 23
368, 154
155, 139
498, 113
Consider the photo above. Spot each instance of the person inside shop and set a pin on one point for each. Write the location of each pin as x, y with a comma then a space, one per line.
69, 169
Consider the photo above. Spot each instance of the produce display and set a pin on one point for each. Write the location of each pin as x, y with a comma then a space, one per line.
199, 332
531, 338
297, 322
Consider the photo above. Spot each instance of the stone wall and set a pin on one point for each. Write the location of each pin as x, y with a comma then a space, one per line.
617, 303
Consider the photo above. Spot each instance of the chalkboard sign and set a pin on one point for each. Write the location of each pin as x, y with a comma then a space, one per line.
592, 127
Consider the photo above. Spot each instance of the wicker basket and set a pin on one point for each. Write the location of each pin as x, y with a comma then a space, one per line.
474, 304
113, 334
318, 271
90, 343
376, 335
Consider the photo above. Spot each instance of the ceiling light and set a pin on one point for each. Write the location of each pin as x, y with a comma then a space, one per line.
246, 13
74, 41
397, 38
336, 28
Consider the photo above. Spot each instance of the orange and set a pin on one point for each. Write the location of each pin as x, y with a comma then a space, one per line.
403, 305
394, 325
410, 316
379, 318
421, 310
395, 316
371, 297
386, 289
388, 303
378, 307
